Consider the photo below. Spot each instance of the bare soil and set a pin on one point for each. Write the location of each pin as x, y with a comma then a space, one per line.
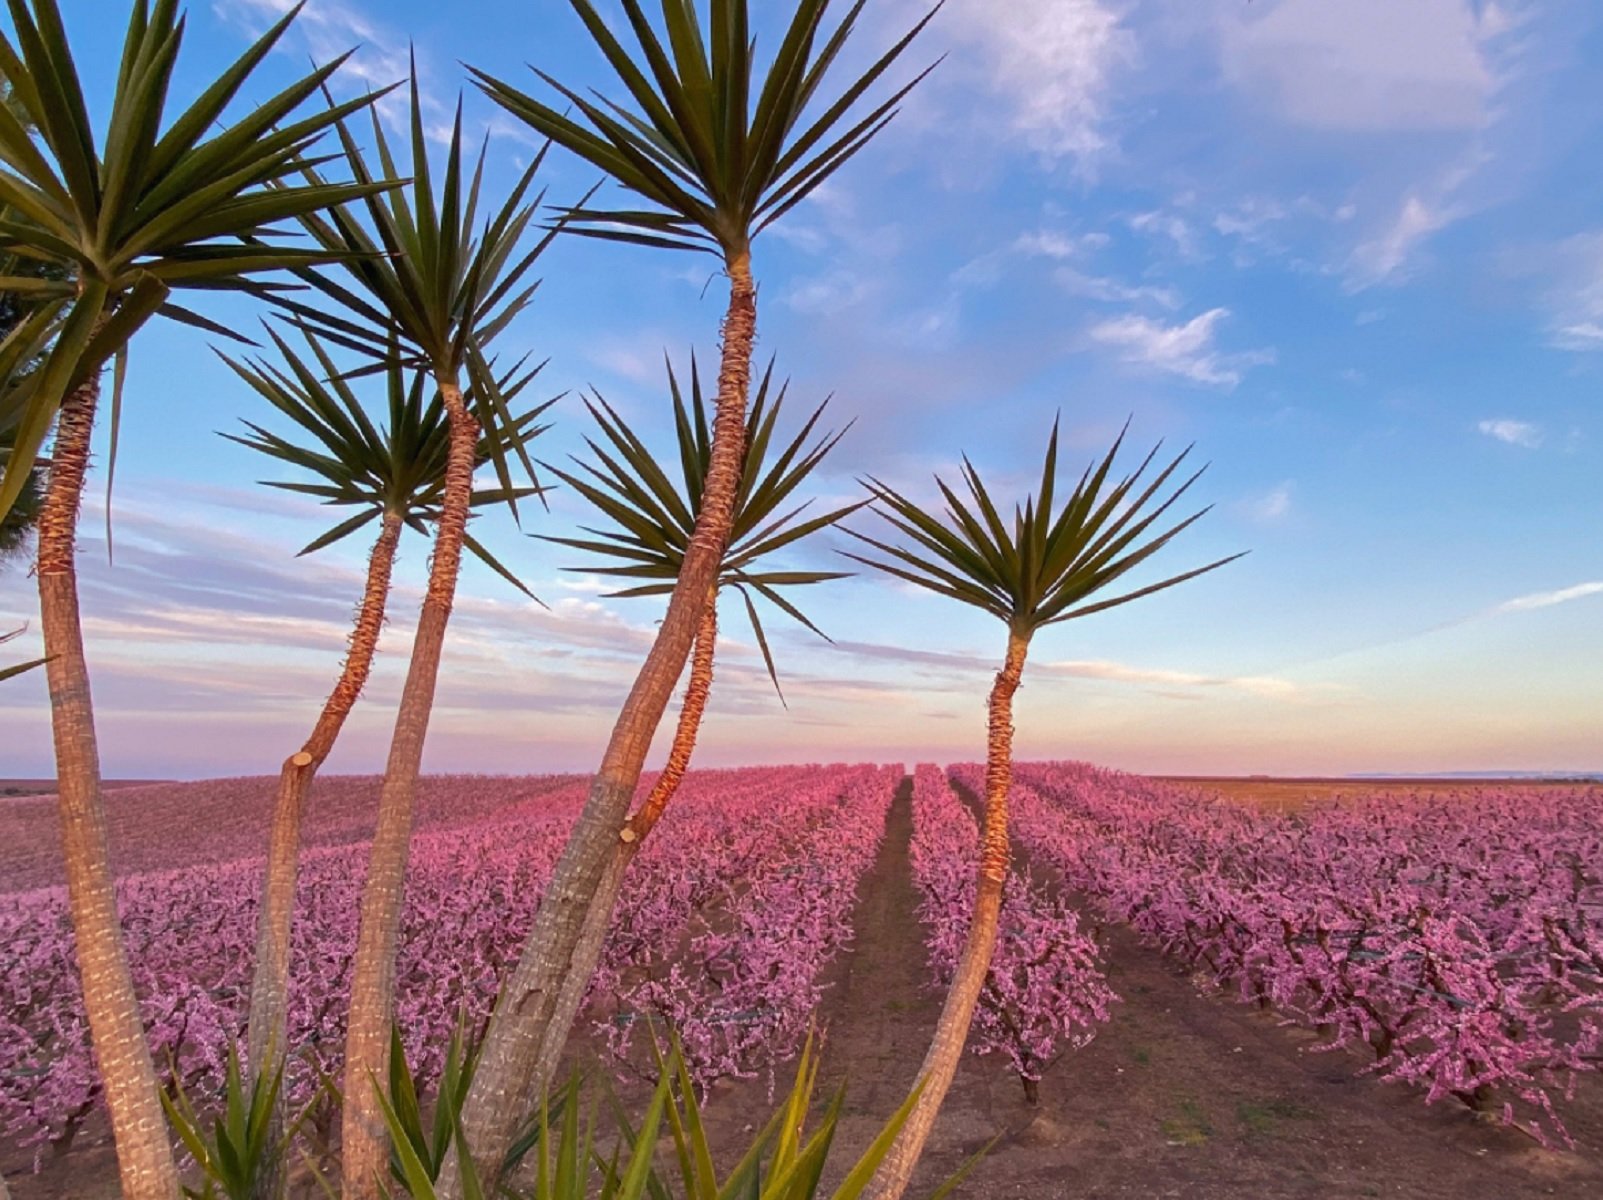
1182, 1094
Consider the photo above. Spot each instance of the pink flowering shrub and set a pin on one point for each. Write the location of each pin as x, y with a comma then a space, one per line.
1455, 938
479, 864
740, 899
1045, 992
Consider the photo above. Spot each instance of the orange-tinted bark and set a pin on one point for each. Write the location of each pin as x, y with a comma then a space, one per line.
951, 1032
133, 1097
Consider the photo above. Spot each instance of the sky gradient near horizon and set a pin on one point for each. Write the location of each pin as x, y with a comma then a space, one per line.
1353, 252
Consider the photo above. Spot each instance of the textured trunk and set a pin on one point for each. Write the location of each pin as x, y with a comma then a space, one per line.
524, 1011
594, 935
951, 1032
144, 1154
364, 1139
269, 994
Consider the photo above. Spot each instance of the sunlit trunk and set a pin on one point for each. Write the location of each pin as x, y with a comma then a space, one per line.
593, 938
525, 1011
133, 1097
951, 1032
269, 996
364, 1139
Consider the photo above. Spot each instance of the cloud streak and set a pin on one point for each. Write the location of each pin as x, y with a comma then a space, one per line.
1511, 432
1539, 600
1186, 349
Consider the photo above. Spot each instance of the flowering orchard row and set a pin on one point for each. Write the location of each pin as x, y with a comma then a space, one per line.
732, 912
1456, 938
163, 826
471, 893
1045, 992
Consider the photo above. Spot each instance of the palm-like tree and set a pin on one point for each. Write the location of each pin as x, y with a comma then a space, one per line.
652, 519
421, 282
160, 202
714, 154
1046, 568
394, 474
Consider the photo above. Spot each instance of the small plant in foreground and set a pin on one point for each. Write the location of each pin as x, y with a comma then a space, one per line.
784, 1161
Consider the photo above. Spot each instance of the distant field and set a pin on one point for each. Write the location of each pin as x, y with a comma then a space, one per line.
1292, 792
44, 787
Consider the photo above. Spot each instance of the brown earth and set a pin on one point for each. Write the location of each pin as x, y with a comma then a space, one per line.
1183, 1094
1286, 793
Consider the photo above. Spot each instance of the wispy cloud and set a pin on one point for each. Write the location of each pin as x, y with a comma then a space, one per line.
1186, 350
1535, 600
1164, 680
1511, 432
1274, 505
1051, 63
329, 28
1371, 64
1171, 227
1575, 296
1383, 257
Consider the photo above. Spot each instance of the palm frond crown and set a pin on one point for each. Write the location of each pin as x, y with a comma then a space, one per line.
653, 514
421, 276
395, 467
716, 152
1049, 564
157, 202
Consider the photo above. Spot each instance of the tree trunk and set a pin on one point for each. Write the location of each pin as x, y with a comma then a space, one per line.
364, 1138
644, 819
951, 1032
524, 1011
269, 994
133, 1096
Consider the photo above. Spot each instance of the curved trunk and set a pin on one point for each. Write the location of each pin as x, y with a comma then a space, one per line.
269, 993
524, 1012
593, 937
133, 1096
951, 1032
364, 1139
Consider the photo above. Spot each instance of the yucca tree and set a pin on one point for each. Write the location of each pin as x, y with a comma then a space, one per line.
652, 517
711, 153
1048, 565
393, 474
158, 201
425, 281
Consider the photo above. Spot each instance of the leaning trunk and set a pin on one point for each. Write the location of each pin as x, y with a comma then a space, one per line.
269, 995
133, 1096
364, 1140
525, 1011
597, 921
951, 1032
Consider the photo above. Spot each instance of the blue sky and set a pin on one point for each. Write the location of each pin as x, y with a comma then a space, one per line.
1353, 251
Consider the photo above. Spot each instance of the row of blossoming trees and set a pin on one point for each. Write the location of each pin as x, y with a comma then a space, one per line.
382, 265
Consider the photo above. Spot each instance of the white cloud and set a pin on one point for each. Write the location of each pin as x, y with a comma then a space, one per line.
1264, 686
1274, 505
1052, 63
1514, 433
329, 28
1583, 335
1186, 350
1548, 599
829, 293
1575, 299
1370, 64
1383, 257
1169, 226
1103, 287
